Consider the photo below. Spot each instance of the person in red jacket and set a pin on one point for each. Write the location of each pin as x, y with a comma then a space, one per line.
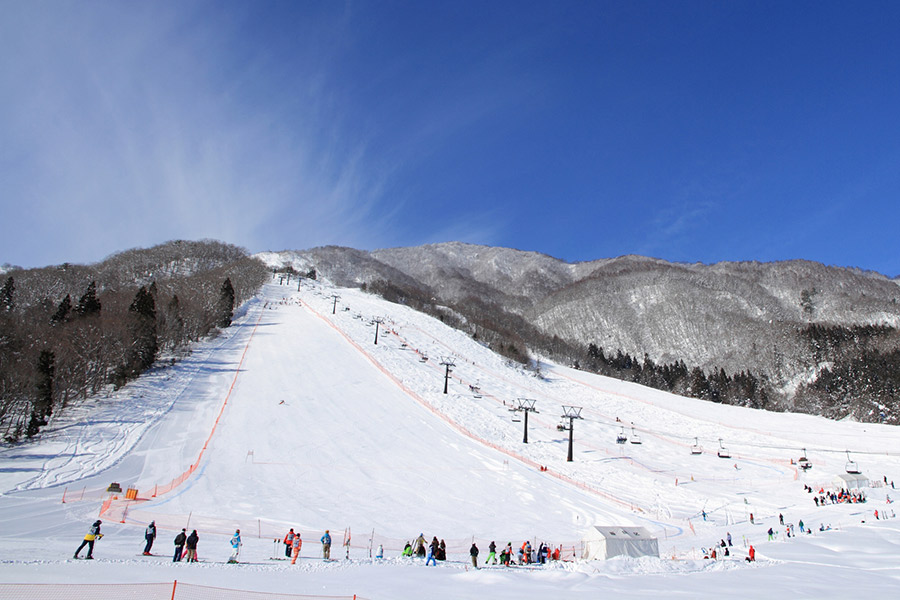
288, 543
752, 554
295, 547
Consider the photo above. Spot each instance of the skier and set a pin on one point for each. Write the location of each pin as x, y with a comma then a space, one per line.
380, 553
295, 547
149, 535
492, 553
288, 542
780, 519
235, 546
192, 546
92, 535
326, 546
473, 552
179, 545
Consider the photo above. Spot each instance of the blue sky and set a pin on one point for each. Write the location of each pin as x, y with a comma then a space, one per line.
688, 131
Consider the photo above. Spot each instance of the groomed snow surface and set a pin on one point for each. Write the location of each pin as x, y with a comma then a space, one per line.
300, 420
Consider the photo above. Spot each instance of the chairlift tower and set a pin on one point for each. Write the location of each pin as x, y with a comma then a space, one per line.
448, 364
571, 413
526, 405
334, 308
378, 321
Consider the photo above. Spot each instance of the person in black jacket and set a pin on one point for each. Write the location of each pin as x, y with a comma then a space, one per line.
93, 534
149, 535
192, 546
473, 552
180, 539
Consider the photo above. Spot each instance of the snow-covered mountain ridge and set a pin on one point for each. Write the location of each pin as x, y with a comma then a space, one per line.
736, 316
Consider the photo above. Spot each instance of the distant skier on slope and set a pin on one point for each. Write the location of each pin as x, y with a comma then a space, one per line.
326, 546
180, 539
149, 535
492, 553
92, 535
295, 547
235, 546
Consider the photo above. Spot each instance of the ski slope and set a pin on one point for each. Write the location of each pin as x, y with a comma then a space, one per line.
294, 417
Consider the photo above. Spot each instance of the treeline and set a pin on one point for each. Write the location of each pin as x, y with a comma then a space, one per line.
68, 331
859, 373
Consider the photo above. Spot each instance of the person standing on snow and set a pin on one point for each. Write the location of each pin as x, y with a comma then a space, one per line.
492, 553
473, 552
326, 546
295, 547
432, 552
235, 546
420, 545
92, 535
149, 535
192, 546
288, 543
179, 545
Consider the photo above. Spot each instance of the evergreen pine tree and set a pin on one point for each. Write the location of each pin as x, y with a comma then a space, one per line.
225, 304
88, 304
43, 403
62, 311
7, 301
143, 329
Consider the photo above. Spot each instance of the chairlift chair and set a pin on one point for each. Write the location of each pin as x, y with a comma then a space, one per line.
723, 451
635, 438
803, 462
621, 438
852, 468
696, 448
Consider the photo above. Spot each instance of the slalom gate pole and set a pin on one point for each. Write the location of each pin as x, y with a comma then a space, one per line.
174, 585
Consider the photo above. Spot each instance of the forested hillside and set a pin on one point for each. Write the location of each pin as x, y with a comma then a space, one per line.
791, 335
67, 331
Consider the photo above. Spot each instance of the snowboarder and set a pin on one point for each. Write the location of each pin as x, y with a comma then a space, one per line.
492, 553
288, 543
326, 546
473, 552
771, 534
149, 535
92, 535
235, 546
296, 544
407, 550
192, 546
179, 545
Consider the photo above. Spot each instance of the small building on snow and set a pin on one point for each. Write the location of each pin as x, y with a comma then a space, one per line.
850, 481
600, 542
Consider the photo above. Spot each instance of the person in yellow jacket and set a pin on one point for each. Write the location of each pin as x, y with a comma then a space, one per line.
93, 534
295, 547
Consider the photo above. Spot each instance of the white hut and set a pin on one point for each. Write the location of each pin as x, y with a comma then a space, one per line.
850, 481
600, 543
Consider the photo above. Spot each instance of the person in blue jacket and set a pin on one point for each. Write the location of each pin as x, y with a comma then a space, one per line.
326, 546
235, 546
